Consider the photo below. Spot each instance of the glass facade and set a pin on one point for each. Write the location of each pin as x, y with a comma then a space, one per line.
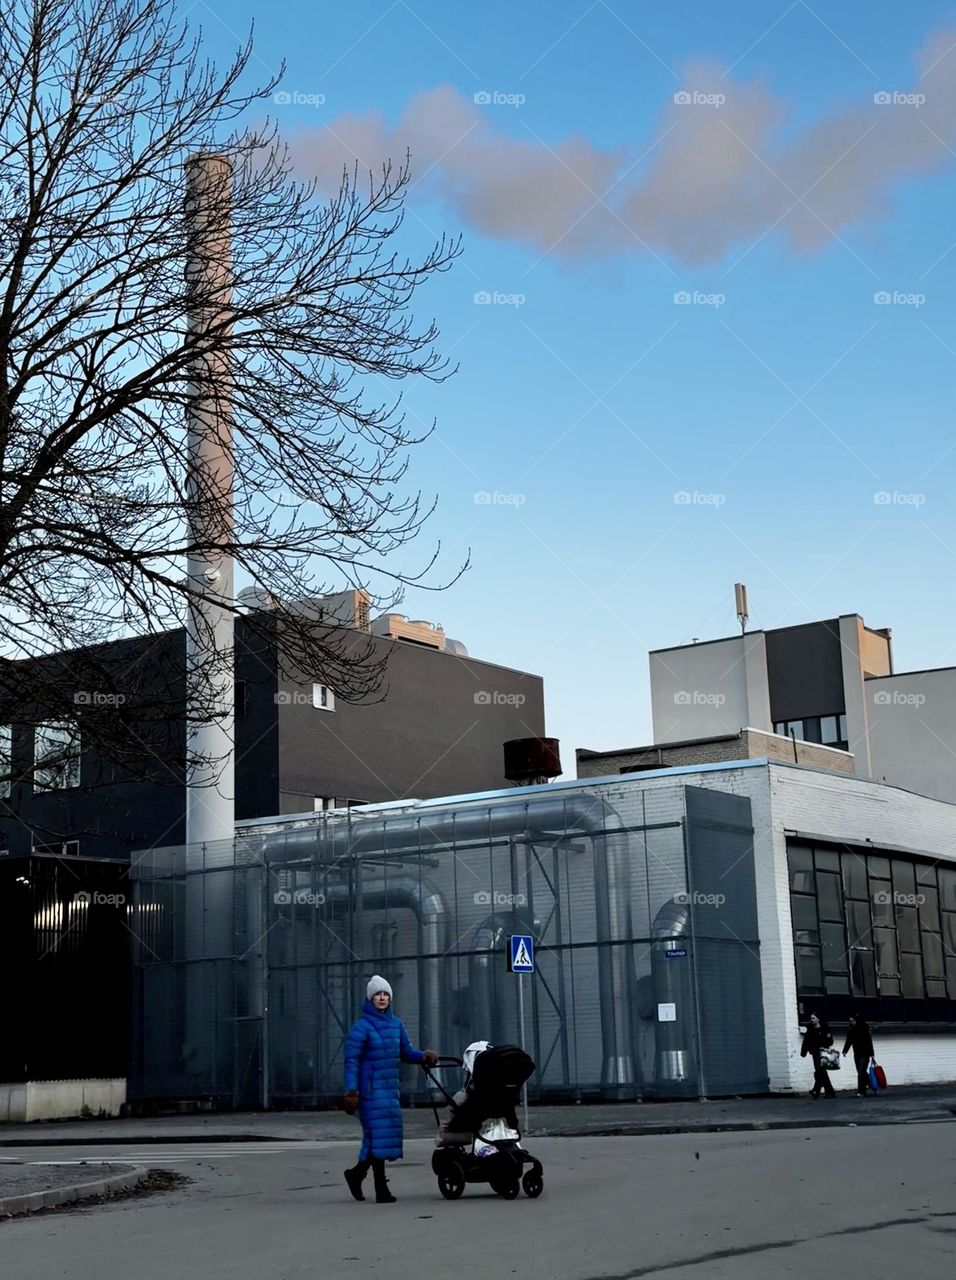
875, 928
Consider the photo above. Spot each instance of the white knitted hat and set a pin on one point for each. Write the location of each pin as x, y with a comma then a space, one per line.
377, 984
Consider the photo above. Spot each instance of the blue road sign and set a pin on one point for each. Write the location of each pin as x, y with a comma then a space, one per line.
522, 953
675, 953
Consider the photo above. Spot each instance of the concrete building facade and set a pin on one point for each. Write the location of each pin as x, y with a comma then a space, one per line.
831, 682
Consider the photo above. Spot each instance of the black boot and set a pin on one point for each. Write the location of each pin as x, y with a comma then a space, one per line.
355, 1177
382, 1193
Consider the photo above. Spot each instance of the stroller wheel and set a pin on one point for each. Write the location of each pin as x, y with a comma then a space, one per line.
533, 1184
451, 1181
507, 1190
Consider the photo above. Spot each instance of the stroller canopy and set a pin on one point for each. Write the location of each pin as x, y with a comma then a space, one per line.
500, 1071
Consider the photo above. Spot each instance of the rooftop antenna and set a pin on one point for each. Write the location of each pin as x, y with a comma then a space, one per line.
740, 596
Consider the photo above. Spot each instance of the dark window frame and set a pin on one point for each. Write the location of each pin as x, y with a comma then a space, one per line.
913, 926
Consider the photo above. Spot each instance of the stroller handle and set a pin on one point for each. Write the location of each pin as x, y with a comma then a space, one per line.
446, 1060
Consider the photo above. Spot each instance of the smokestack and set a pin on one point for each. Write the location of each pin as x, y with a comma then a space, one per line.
210, 671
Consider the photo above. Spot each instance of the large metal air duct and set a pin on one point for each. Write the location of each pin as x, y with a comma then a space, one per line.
544, 819
672, 978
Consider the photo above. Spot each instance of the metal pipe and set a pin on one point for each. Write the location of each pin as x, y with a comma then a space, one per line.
553, 816
431, 913
675, 1069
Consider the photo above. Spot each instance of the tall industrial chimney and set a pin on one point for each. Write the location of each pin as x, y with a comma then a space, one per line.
210, 672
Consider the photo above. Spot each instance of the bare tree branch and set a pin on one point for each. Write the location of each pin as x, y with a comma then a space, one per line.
101, 104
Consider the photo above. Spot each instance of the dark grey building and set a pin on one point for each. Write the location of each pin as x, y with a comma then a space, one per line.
436, 727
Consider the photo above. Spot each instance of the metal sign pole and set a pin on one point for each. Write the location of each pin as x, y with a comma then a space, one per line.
521, 1015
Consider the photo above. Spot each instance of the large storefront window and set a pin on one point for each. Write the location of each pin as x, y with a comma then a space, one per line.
873, 928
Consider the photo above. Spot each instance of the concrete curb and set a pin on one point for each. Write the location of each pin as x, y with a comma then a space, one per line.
11, 1206
731, 1126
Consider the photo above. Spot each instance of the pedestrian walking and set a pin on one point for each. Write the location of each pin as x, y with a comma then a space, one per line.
815, 1040
859, 1038
375, 1046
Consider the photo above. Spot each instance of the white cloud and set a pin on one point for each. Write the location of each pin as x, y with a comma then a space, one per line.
721, 174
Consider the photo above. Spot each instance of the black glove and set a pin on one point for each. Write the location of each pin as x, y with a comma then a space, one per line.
430, 1058
350, 1103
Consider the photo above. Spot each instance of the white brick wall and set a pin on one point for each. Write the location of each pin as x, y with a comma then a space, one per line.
793, 798
854, 810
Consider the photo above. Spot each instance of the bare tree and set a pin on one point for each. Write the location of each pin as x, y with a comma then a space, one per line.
101, 104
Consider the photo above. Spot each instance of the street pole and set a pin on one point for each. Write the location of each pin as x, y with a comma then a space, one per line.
521, 1015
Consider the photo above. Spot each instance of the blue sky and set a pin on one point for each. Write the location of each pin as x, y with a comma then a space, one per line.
593, 402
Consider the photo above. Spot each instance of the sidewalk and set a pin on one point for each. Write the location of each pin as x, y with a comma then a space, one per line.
905, 1105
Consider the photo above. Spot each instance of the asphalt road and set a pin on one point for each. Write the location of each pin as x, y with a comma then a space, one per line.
873, 1203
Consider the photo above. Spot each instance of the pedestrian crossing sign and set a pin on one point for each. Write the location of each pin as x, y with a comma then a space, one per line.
522, 953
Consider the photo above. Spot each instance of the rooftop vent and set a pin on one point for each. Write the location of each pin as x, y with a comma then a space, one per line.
532, 760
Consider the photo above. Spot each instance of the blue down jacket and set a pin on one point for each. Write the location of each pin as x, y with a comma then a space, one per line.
373, 1048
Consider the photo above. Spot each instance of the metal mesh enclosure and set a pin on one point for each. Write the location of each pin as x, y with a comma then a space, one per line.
259, 955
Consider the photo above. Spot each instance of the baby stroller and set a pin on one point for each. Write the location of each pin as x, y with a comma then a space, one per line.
481, 1141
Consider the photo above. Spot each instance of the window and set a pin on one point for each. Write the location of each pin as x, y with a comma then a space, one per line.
322, 803
854, 876
873, 927
6, 760
828, 730
323, 697
811, 729
56, 756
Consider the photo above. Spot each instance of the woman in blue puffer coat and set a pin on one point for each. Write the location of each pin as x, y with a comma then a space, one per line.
374, 1047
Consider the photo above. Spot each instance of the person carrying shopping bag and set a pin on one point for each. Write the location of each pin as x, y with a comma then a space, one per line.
860, 1039
816, 1039
374, 1048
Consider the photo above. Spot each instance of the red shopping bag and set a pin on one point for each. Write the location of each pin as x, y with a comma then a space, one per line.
877, 1076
